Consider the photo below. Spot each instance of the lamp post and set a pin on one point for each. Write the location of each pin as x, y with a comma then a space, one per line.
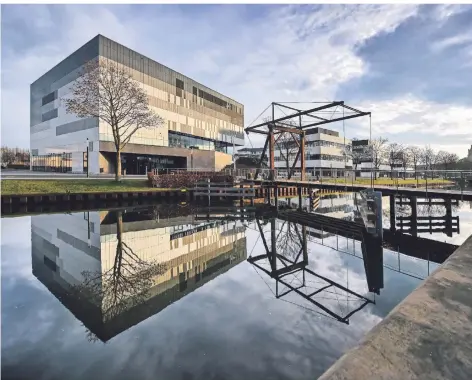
87, 157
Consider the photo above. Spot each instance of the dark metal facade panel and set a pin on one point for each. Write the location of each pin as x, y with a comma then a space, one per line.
78, 125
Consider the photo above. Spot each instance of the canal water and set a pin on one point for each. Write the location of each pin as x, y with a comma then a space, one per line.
167, 292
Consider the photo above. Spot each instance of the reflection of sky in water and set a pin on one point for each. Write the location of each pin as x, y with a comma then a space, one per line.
463, 211
230, 328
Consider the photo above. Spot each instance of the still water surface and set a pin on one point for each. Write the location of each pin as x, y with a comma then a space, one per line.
153, 294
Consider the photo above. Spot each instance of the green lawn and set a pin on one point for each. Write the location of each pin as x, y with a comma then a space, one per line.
13, 186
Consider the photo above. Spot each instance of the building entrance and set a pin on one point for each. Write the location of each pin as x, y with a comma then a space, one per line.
142, 164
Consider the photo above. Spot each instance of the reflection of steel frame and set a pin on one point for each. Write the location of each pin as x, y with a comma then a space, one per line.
284, 271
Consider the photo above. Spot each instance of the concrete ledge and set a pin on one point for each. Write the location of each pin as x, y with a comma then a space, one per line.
427, 336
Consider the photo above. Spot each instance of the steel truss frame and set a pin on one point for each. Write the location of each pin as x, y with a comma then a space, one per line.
291, 267
292, 124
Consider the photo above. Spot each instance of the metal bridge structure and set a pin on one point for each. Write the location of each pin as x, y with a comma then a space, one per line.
295, 125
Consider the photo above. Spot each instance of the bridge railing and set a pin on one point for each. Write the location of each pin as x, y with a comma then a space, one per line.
419, 179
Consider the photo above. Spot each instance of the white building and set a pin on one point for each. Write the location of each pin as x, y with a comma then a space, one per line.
201, 125
324, 154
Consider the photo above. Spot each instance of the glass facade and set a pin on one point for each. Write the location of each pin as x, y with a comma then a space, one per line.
191, 142
326, 143
326, 157
142, 163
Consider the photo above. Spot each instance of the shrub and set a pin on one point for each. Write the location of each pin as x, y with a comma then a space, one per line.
186, 179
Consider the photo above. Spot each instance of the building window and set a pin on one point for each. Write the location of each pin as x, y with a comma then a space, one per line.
49, 115
178, 140
179, 87
49, 98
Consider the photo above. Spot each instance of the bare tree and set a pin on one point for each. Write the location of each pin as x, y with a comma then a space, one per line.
376, 153
393, 153
106, 91
428, 157
356, 155
124, 285
406, 160
415, 154
447, 159
287, 148
8, 156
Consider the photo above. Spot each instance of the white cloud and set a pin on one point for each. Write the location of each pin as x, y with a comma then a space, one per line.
443, 11
459, 39
409, 114
292, 53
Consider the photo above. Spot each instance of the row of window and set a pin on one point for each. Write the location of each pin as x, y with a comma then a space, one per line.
214, 99
322, 130
325, 157
292, 144
326, 143
147, 66
191, 142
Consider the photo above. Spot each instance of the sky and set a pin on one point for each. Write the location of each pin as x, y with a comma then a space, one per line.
410, 65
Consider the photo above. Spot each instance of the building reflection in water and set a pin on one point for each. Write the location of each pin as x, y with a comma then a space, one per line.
114, 269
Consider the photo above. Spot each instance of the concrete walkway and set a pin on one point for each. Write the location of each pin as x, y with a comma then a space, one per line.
427, 336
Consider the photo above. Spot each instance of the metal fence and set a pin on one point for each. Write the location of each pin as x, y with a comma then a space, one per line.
424, 179
60, 163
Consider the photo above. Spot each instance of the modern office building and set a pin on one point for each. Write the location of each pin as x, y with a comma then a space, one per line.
200, 123
324, 154
140, 263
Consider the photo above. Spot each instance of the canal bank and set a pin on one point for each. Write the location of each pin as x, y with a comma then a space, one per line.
427, 336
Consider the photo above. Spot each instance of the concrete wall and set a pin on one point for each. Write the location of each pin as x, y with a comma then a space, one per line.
427, 336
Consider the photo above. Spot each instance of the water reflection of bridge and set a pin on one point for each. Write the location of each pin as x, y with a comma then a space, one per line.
386, 190
286, 261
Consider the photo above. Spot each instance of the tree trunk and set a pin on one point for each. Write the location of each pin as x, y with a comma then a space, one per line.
118, 166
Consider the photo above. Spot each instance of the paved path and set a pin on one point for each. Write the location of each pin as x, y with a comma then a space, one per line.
427, 336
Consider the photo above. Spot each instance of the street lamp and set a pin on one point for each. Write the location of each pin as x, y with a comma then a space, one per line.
87, 157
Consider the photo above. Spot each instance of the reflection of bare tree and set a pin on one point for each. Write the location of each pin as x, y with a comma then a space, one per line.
91, 337
289, 241
423, 210
124, 285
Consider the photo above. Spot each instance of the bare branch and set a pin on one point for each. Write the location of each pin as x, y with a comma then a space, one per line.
105, 90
